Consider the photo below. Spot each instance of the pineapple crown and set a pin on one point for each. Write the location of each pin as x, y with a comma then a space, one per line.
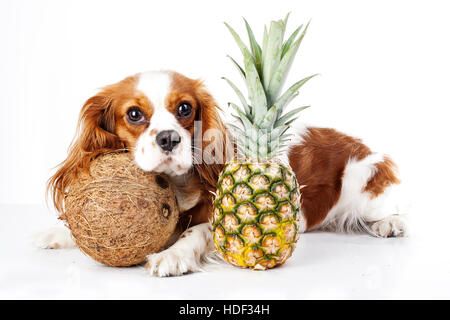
264, 125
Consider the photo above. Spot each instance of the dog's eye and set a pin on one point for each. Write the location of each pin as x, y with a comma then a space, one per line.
135, 116
184, 110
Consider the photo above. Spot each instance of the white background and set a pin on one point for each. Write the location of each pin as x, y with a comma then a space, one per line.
384, 69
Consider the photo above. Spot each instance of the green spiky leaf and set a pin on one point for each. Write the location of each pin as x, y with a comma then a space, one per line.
289, 41
256, 49
245, 121
270, 118
255, 88
288, 116
265, 68
256, 92
241, 71
280, 74
238, 40
240, 96
272, 55
290, 93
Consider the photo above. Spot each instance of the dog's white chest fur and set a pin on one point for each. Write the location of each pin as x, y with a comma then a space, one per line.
187, 196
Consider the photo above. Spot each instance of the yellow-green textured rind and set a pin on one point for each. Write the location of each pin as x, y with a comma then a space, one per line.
256, 214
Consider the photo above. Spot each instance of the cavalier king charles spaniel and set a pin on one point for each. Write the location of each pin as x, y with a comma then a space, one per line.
347, 187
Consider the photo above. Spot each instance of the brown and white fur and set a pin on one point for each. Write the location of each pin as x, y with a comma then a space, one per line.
346, 186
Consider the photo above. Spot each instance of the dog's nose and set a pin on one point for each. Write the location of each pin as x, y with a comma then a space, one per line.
168, 139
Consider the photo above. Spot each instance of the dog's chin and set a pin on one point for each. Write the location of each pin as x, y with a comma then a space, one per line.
172, 167
168, 164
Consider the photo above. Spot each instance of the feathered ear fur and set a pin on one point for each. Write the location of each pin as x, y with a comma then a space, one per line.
95, 135
213, 139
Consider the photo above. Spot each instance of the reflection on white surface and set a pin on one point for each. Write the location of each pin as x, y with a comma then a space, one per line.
324, 265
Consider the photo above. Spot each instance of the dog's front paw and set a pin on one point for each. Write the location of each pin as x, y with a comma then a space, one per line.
53, 238
172, 262
392, 226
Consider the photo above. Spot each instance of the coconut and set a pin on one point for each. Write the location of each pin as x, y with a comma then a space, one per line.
118, 213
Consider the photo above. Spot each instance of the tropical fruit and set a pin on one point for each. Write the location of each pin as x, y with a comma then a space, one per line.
256, 213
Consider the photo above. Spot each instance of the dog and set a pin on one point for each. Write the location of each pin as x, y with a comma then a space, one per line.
347, 187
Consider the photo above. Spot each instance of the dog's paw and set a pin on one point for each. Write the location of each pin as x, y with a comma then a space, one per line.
53, 238
172, 262
392, 226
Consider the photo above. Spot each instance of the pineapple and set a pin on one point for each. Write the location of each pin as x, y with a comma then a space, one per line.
256, 212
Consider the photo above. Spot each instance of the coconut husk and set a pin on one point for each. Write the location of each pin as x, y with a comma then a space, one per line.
118, 213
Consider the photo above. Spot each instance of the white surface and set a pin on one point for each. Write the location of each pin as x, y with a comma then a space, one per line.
384, 77
324, 265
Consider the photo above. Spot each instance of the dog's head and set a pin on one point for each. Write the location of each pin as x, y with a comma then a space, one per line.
153, 114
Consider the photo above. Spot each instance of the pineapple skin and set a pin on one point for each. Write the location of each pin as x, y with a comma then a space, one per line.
256, 214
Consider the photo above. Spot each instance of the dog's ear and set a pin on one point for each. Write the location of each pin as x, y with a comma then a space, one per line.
96, 125
95, 135
213, 139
